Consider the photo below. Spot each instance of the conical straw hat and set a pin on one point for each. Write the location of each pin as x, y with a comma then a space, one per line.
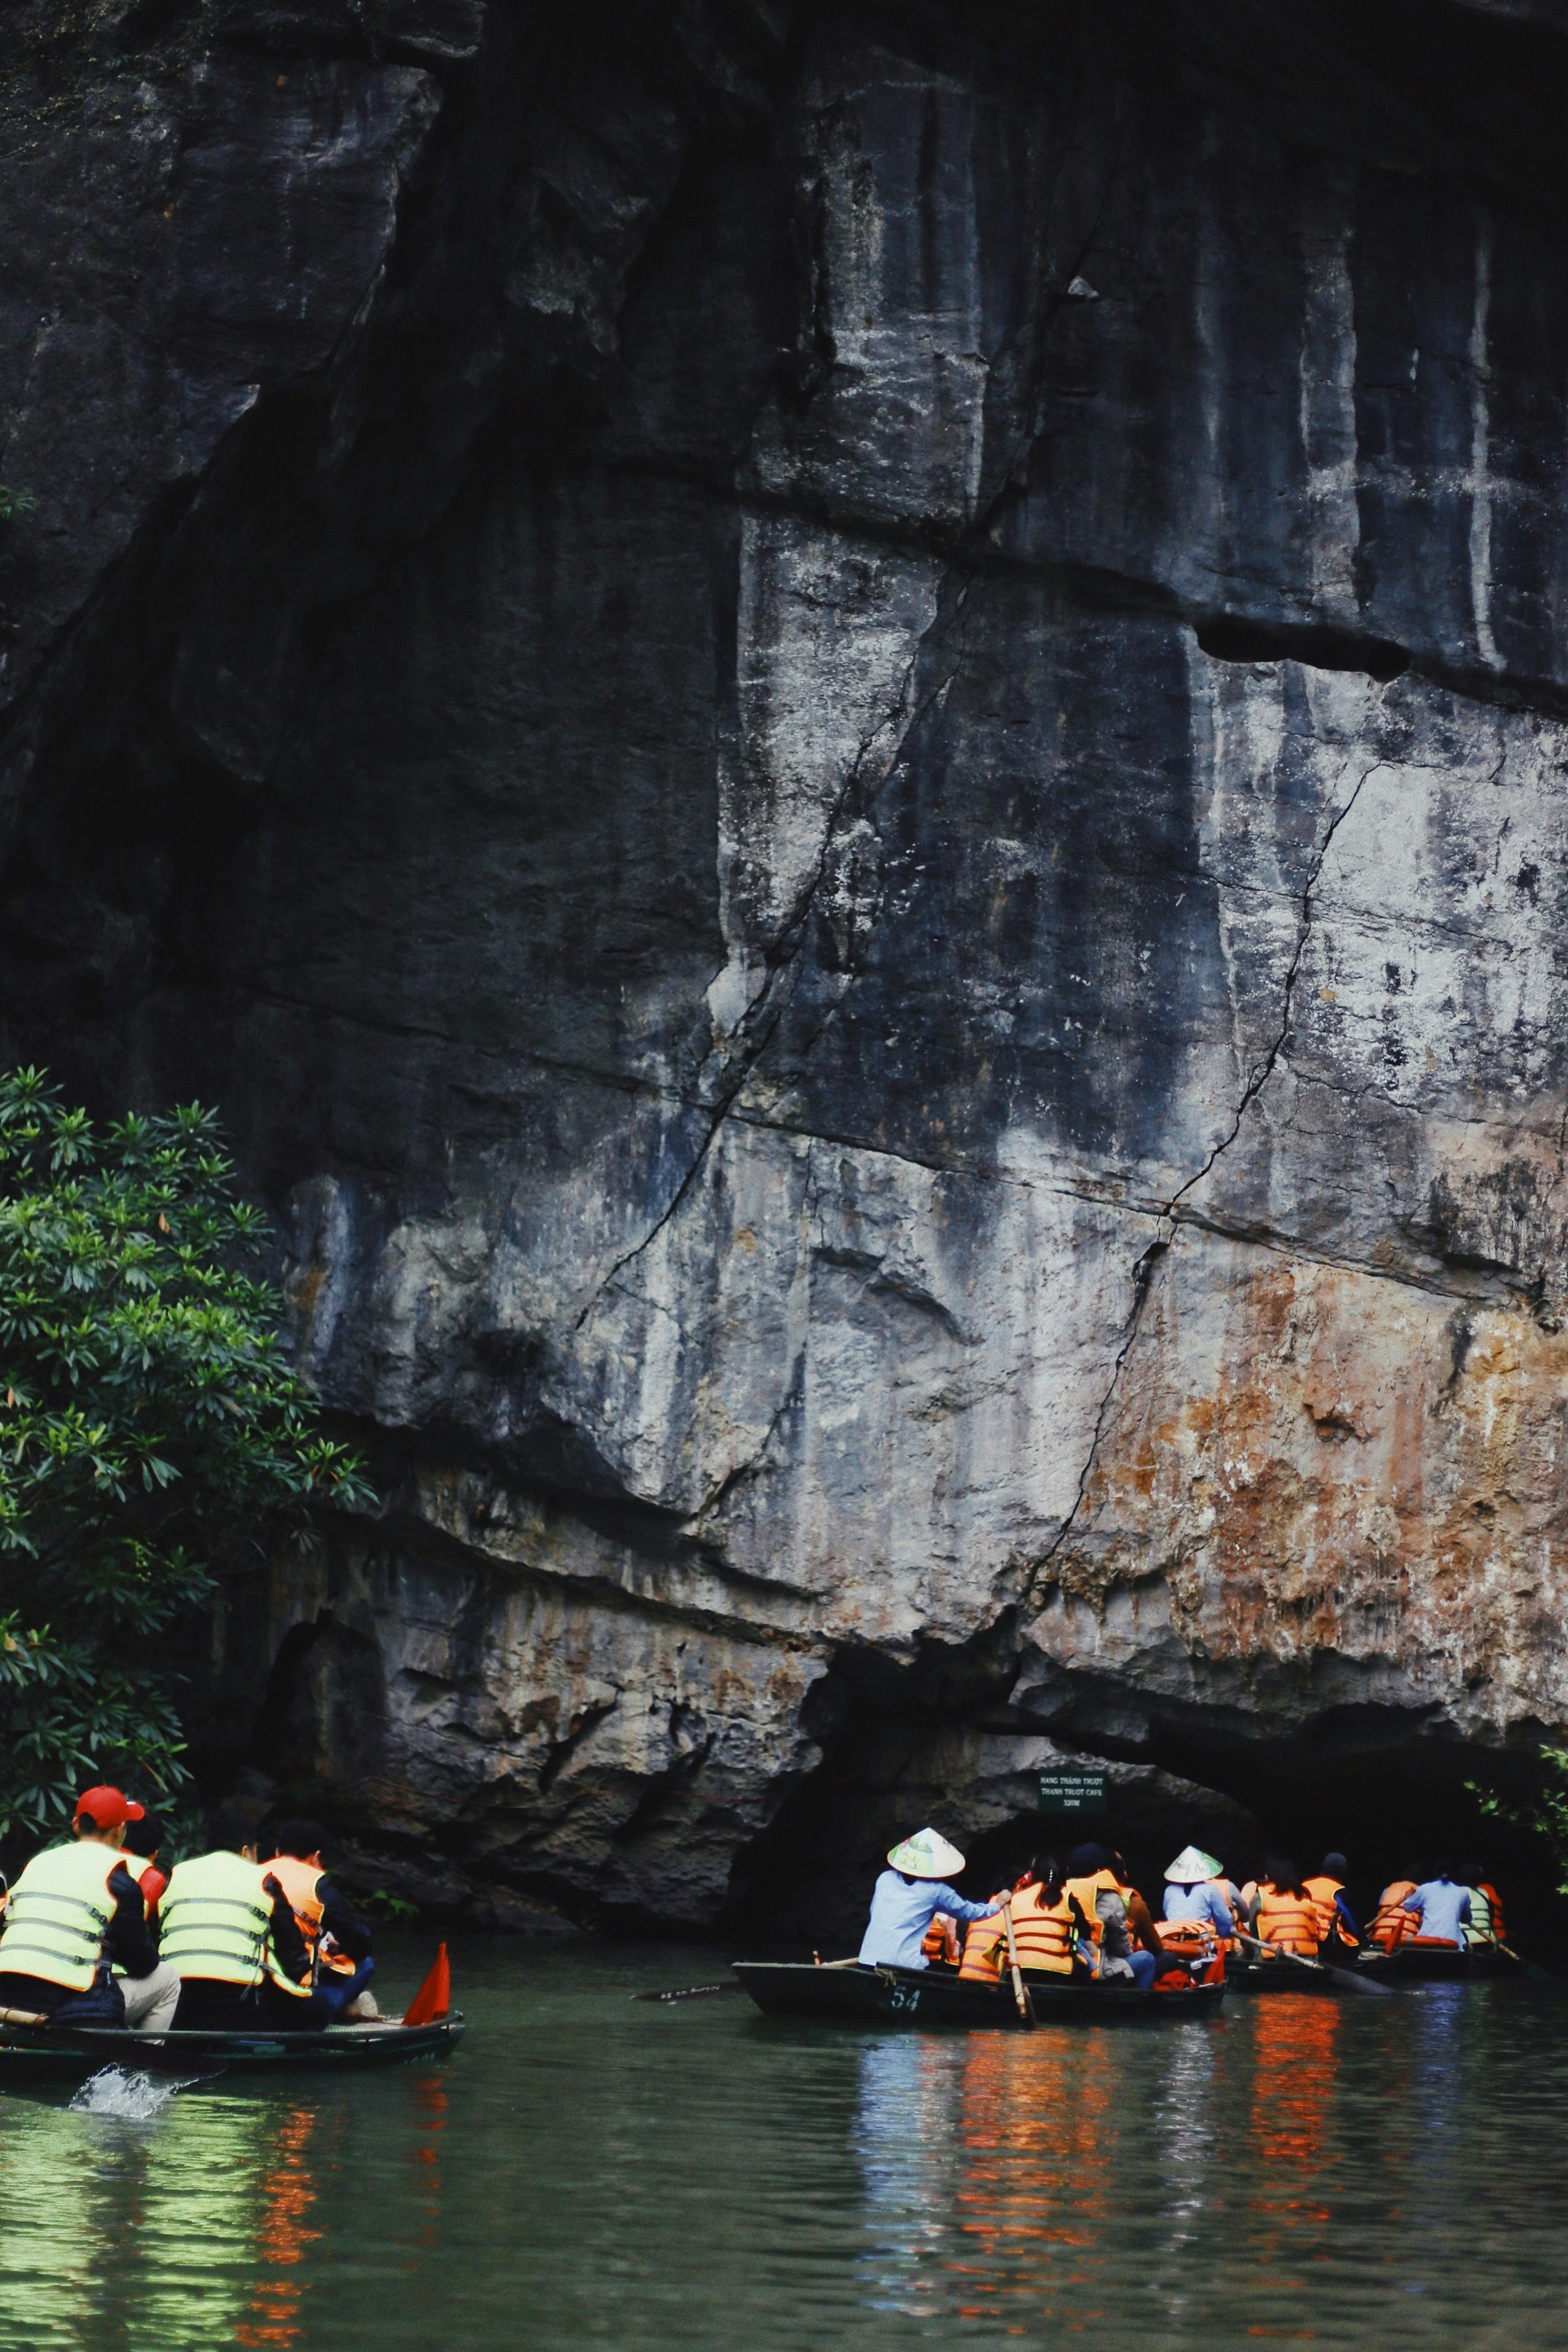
927, 1854
1192, 1867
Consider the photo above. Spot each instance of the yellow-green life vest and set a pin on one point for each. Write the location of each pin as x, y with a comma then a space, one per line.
59, 1913
216, 1921
1480, 1927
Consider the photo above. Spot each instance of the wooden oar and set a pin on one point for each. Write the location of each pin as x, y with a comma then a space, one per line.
1530, 1968
1299, 1960
1021, 1993
690, 1992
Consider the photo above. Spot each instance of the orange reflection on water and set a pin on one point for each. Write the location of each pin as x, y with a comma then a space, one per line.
287, 2194
1032, 2150
1296, 2054
430, 2118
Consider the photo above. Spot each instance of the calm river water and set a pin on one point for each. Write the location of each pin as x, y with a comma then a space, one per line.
591, 2171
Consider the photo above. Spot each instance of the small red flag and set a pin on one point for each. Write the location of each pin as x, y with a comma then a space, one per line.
434, 1997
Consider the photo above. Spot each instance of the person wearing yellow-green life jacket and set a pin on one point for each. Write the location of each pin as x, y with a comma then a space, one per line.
75, 1916
228, 1928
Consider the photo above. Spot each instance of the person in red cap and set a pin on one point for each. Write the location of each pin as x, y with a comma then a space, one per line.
75, 1915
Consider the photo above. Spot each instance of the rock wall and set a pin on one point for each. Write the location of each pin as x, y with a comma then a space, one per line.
843, 732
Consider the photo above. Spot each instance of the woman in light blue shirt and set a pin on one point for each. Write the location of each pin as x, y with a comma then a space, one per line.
1195, 1889
1443, 1908
906, 1896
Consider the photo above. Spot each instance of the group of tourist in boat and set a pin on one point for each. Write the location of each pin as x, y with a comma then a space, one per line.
250, 1932
1085, 1919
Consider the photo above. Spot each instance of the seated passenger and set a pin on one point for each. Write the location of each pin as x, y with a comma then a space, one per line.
1486, 1910
1089, 1877
1197, 1896
1288, 1917
1046, 1923
1336, 1922
336, 1939
1392, 1924
149, 2000
1136, 1921
76, 1913
986, 1943
1441, 1907
906, 1895
228, 1928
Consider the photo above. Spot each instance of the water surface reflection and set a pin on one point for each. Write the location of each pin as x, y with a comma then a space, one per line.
593, 2173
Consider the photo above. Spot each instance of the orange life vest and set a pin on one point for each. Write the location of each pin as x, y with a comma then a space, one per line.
939, 1941
984, 1951
1192, 1939
148, 1877
1044, 1935
300, 1881
1499, 1931
1394, 1923
1323, 1891
1187, 1937
1083, 1892
1291, 1921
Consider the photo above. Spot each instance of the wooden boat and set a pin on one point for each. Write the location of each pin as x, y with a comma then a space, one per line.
65, 2054
1282, 1973
864, 1995
1410, 1963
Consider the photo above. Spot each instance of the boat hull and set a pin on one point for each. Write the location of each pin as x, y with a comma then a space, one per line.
1281, 1974
1416, 1963
29, 2054
886, 1996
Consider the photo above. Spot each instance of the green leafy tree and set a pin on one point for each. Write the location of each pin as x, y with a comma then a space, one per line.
151, 1431
1545, 1814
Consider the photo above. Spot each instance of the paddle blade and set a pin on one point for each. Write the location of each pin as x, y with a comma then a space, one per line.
434, 1997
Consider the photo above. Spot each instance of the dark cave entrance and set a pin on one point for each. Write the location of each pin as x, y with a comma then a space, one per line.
1396, 1800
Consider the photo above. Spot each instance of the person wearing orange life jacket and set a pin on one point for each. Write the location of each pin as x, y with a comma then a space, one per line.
940, 1943
1392, 1924
984, 1954
1096, 1883
1288, 1917
1141, 1922
150, 2001
336, 1939
1088, 1878
1046, 1923
146, 1837
1339, 1932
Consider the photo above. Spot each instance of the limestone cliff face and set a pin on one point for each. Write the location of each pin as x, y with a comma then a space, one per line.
843, 732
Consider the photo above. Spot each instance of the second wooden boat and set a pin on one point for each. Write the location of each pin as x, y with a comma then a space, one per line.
1410, 1963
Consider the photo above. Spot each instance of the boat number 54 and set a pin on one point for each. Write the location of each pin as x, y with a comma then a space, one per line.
904, 1996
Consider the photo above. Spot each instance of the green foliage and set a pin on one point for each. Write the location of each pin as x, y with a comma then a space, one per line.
382, 1901
14, 503
1544, 1814
151, 1431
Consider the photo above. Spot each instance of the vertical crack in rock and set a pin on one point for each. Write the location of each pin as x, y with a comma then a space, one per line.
755, 1030
1263, 1071
1144, 1266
